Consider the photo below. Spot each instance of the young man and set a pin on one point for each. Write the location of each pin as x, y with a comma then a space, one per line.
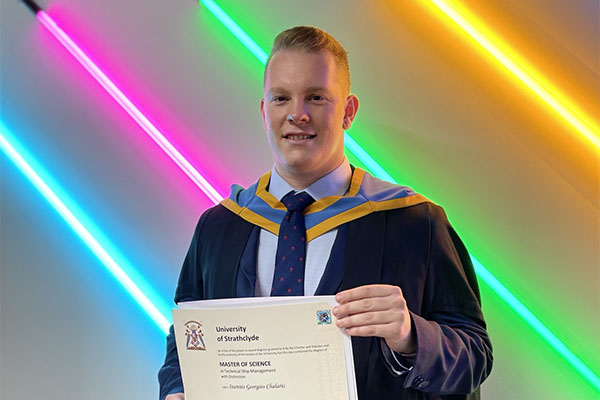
404, 282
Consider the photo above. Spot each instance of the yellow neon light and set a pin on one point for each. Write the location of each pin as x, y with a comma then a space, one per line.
519, 68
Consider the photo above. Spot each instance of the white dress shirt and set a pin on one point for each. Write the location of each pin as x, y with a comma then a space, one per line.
318, 250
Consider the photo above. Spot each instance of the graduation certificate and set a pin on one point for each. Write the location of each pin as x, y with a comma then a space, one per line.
263, 348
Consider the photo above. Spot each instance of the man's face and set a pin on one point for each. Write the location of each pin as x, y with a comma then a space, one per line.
305, 111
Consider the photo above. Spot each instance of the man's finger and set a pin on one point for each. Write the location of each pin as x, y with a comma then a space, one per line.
380, 330
371, 318
366, 291
368, 305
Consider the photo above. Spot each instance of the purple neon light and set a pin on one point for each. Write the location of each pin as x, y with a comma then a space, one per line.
128, 106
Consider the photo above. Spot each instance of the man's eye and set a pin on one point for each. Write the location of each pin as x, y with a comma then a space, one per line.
317, 97
278, 99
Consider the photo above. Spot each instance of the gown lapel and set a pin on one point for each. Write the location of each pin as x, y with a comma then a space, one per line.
230, 253
362, 266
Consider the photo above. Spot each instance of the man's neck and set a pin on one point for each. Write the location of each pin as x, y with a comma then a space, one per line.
299, 180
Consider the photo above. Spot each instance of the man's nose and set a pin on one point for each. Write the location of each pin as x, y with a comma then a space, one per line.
299, 113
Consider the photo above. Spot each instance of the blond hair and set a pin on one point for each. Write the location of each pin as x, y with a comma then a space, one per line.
312, 40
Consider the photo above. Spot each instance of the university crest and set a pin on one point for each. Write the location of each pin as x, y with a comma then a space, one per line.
193, 332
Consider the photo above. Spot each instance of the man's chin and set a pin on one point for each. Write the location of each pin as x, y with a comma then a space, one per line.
300, 166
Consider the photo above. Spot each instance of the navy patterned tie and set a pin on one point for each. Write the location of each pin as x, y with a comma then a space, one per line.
288, 279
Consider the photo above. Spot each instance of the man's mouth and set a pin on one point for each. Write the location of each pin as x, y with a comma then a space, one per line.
299, 136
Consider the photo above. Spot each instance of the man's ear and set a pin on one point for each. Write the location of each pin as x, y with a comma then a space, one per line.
350, 110
262, 113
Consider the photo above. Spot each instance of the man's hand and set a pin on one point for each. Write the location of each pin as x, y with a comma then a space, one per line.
376, 310
175, 396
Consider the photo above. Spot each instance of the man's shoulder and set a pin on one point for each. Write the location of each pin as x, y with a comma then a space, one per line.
218, 223
422, 212
217, 214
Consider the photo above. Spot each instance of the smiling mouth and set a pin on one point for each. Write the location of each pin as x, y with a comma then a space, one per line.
299, 137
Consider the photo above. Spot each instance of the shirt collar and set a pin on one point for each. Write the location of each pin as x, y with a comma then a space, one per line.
335, 183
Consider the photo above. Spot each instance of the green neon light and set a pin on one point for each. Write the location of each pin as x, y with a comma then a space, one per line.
485, 275
374, 167
366, 159
235, 29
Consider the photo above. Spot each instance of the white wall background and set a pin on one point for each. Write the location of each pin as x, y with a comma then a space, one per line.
516, 183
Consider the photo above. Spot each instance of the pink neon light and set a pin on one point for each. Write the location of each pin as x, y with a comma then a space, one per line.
128, 106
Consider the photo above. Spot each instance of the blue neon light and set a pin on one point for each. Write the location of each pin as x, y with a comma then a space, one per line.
83, 227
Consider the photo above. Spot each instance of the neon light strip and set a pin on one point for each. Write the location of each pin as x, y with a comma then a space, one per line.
481, 271
128, 106
78, 227
236, 30
125, 280
518, 67
366, 159
536, 324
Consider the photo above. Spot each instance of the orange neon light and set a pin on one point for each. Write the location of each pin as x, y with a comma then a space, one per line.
518, 67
